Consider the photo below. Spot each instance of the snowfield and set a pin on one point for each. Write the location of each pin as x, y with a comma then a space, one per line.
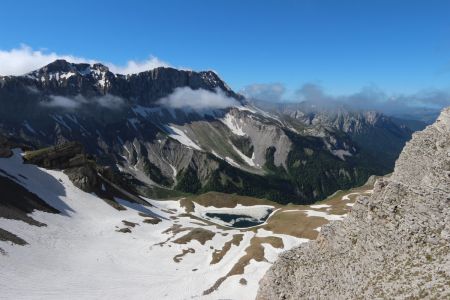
329, 217
233, 124
181, 136
81, 255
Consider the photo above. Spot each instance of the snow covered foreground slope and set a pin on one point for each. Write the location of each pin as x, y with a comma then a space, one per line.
80, 254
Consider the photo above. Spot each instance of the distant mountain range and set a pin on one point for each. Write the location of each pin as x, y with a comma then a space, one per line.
287, 153
378, 135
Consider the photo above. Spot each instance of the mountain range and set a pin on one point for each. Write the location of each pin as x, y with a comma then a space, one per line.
172, 132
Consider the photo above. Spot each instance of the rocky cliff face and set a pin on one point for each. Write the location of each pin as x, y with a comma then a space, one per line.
394, 244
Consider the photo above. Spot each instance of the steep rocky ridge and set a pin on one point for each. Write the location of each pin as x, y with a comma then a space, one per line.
393, 244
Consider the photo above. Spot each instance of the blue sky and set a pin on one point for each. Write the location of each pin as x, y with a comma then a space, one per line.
398, 46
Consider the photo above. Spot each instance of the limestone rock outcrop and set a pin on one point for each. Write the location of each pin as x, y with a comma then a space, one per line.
394, 244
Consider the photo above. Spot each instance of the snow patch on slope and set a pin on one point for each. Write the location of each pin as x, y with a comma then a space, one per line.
180, 136
321, 214
233, 124
232, 162
341, 153
249, 161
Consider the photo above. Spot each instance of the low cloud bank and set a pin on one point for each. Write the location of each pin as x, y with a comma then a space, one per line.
64, 102
187, 98
133, 67
107, 101
266, 92
374, 98
22, 60
368, 98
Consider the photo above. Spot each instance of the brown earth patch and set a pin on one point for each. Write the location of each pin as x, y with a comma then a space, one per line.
294, 223
219, 254
179, 257
200, 234
187, 204
173, 230
199, 223
254, 251
163, 242
152, 221
128, 223
339, 206
176, 228
149, 219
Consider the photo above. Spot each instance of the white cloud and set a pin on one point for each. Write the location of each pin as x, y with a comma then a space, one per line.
264, 91
64, 102
185, 97
19, 61
133, 67
106, 101
109, 101
22, 60
374, 98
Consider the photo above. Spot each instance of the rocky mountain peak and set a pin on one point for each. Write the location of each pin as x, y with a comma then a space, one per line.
100, 67
61, 66
92, 80
372, 117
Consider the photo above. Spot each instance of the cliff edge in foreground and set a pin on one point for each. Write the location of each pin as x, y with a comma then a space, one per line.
395, 243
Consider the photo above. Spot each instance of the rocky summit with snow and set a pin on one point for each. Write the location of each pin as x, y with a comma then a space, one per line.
394, 244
